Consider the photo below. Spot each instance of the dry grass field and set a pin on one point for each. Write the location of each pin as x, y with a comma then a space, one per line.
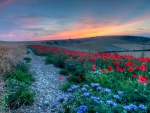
10, 55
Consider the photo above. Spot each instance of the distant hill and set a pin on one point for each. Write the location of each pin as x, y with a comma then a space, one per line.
101, 43
96, 44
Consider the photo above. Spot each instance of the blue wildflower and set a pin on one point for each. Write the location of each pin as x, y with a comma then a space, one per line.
83, 107
120, 92
85, 94
69, 96
54, 105
142, 107
95, 99
80, 111
109, 102
127, 107
116, 96
133, 107
83, 89
86, 85
107, 90
70, 90
98, 88
94, 84
74, 87
61, 99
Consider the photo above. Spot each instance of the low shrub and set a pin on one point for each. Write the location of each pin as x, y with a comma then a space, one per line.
27, 59
17, 86
22, 67
63, 71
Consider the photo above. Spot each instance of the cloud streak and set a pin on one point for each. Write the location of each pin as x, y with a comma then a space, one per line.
4, 3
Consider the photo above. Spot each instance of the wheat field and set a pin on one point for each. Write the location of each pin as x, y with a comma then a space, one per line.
9, 56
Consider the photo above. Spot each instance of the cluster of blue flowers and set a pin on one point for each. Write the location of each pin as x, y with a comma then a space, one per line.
134, 107
74, 87
86, 91
111, 103
81, 109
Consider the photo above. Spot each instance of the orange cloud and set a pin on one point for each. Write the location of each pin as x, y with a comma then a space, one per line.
88, 28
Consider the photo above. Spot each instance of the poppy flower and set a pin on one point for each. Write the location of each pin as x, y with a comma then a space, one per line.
84, 67
91, 60
93, 67
134, 76
60, 78
143, 68
131, 69
110, 68
142, 79
79, 79
103, 70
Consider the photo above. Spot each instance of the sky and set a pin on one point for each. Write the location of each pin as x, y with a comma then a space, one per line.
29, 20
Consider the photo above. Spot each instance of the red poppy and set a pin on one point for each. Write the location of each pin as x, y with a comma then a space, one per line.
60, 78
69, 75
93, 67
79, 79
84, 67
134, 76
131, 69
103, 70
142, 79
110, 68
137, 68
143, 68
91, 60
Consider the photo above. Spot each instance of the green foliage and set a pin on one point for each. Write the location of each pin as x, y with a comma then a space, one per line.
65, 86
63, 71
21, 76
49, 59
17, 86
27, 59
28, 52
22, 67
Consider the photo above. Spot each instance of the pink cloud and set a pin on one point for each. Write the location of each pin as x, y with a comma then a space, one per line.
3, 3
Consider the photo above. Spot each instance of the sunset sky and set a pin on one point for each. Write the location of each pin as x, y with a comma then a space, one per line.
28, 20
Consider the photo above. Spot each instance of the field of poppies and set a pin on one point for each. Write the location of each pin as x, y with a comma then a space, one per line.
100, 82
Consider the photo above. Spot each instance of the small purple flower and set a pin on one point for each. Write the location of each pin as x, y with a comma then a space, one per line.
116, 96
54, 105
120, 92
61, 99
107, 90
83, 89
86, 94
142, 107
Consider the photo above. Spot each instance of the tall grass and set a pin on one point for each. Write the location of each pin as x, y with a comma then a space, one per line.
9, 56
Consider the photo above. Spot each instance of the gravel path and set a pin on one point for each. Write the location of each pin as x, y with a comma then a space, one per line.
47, 86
